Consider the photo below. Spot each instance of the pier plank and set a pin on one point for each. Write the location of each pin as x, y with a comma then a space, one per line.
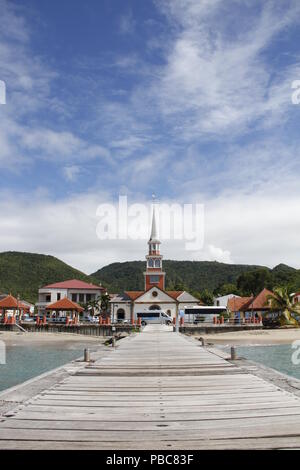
157, 390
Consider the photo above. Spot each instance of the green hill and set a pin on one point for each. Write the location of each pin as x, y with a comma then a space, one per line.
23, 273
199, 276
194, 275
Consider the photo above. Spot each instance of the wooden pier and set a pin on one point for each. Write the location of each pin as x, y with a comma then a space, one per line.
157, 390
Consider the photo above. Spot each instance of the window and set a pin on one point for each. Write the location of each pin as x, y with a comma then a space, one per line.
154, 314
81, 298
154, 307
157, 263
120, 314
48, 298
74, 297
150, 263
58, 296
154, 279
88, 297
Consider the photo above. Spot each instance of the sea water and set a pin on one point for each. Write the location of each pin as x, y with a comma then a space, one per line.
23, 362
278, 357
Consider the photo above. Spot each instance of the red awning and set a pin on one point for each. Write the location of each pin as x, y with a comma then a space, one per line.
65, 305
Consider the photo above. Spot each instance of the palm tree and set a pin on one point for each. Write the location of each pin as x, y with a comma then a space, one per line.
281, 301
104, 302
91, 306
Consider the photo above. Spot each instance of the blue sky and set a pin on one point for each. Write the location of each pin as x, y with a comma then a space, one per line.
188, 99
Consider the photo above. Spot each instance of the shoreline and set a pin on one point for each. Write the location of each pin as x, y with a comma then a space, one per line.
32, 339
252, 338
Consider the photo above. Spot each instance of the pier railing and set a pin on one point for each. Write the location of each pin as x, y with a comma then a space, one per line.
80, 329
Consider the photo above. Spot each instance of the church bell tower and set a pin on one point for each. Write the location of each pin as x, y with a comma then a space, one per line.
154, 275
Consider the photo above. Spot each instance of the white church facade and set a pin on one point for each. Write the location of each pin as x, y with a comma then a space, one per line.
126, 305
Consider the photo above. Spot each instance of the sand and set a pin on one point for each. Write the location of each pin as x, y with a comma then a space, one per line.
67, 340
278, 336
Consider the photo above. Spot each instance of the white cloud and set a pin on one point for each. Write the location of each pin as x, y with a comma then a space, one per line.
71, 173
249, 230
217, 254
127, 23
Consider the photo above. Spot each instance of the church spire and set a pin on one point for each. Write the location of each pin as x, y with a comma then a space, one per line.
154, 275
154, 231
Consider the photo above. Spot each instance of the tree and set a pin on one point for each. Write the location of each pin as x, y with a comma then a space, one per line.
226, 289
104, 302
252, 282
92, 306
281, 302
207, 297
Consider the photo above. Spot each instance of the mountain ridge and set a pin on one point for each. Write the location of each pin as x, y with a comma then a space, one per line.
23, 273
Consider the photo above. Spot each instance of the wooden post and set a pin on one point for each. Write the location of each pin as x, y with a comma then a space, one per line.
139, 321
233, 353
86, 355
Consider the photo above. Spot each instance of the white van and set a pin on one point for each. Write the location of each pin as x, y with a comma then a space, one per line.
154, 316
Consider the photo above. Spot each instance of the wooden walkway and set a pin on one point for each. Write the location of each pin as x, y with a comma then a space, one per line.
157, 390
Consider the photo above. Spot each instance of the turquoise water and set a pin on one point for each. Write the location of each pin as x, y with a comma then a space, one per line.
23, 363
278, 357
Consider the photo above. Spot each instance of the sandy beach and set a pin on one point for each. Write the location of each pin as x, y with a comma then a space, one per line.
276, 336
67, 340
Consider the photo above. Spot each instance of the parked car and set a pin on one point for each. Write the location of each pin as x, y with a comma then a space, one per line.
92, 319
27, 318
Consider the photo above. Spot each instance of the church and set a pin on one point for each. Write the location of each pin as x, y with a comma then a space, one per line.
126, 305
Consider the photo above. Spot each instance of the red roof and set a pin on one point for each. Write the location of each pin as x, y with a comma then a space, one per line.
73, 284
65, 304
235, 304
260, 302
9, 302
134, 294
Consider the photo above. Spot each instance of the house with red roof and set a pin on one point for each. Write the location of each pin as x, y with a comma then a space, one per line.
75, 290
126, 305
247, 307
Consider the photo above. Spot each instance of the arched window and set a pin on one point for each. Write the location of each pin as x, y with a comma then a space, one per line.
157, 263
150, 263
154, 307
120, 314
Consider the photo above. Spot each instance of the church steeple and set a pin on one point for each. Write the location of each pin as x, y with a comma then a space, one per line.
154, 275
153, 240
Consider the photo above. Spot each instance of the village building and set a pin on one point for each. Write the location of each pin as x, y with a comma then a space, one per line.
245, 308
126, 305
222, 300
75, 290
296, 298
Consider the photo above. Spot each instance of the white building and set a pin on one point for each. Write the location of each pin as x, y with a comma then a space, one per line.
223, 300
126, 305
75, 290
